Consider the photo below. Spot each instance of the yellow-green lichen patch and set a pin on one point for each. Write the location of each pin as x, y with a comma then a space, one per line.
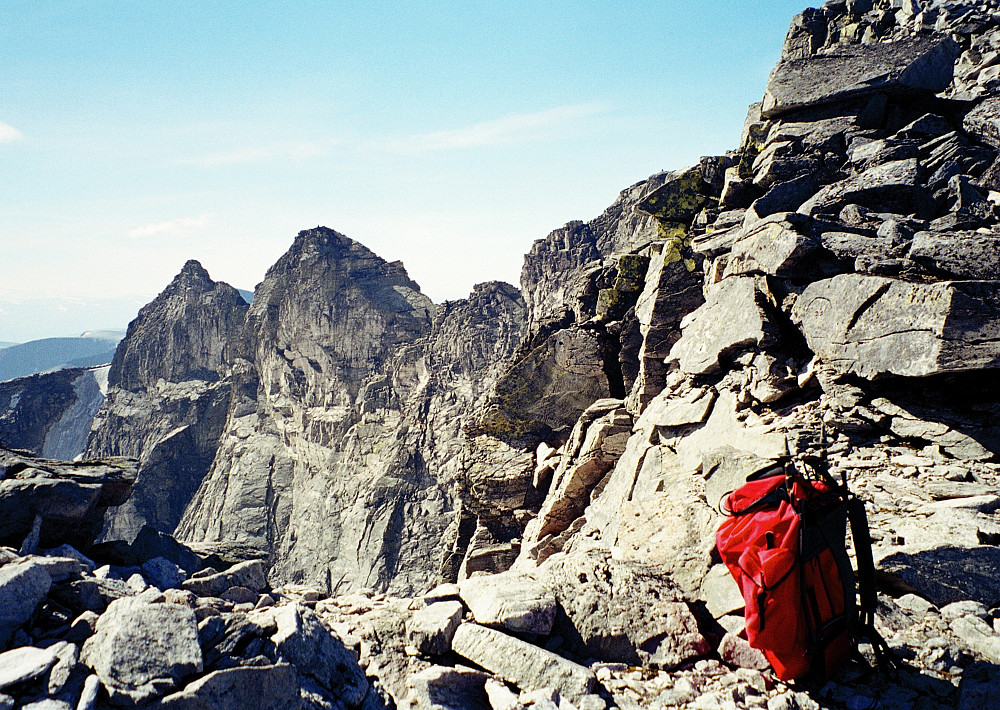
671, 230
608, 302
678, 199
631, 272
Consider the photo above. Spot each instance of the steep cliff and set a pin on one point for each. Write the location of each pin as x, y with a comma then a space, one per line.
344, 449
167, 403
51, 414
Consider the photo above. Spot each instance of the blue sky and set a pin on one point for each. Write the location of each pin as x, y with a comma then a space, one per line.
137, 135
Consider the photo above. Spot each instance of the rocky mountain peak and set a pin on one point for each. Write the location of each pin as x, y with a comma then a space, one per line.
181, 334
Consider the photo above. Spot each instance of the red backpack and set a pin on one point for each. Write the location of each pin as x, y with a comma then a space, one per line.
784, 541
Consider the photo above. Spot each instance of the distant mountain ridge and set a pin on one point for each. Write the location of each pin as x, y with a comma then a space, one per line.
89, 349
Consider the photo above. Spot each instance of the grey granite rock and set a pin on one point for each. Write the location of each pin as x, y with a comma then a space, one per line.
918, 66
957, 255
23, 586
431, 629
25, 663
249, 574
734, 318
271, 687
517, 602
872, 326
983, 121
521, 663
70, 497
305, 642
891, 187
442, 688
142, 651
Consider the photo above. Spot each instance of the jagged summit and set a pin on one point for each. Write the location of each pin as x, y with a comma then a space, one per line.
180, 334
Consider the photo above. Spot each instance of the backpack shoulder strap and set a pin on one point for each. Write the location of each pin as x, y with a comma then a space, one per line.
867, 593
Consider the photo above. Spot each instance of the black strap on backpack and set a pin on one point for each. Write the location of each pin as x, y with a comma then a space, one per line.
867, 593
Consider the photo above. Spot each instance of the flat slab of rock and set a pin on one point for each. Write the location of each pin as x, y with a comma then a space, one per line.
249, 574
871, 326
521, 663
774, 247
143, 650
264, 687
516, 602
984, 121
906, 67
892, 187
732, 319
24, 663
958, 255
70, 497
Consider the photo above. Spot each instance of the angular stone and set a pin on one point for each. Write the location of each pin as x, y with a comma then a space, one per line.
978, 636
777, 248
921, 65
266, 687
521, 663
440, 688
24, 663
872, 326
431, 629
70, 497
891, 187
88, 697
682, 196
517, 602
162, 573
672, 290
983, 121
23, 586
305, 641
143, 650
249, 574
734, 318
957, 255
67, 657
944, 573
736, 651
544, 393
721, 593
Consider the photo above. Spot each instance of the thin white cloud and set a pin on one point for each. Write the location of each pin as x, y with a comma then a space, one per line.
170, 228
499, 131
9, 134
256, 154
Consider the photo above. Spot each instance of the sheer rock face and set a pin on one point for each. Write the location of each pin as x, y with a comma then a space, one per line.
344, 444
51, 414
167, 397
201, 317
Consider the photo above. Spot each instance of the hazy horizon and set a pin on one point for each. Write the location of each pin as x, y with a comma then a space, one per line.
136, 137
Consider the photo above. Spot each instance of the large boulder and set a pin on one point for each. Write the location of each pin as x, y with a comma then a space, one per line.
516, 602
264, 687
143, 650
734, 318
921, 65
519, 662
23, 586
957, 255
895, 186
871, 326
70, 498
304, 641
